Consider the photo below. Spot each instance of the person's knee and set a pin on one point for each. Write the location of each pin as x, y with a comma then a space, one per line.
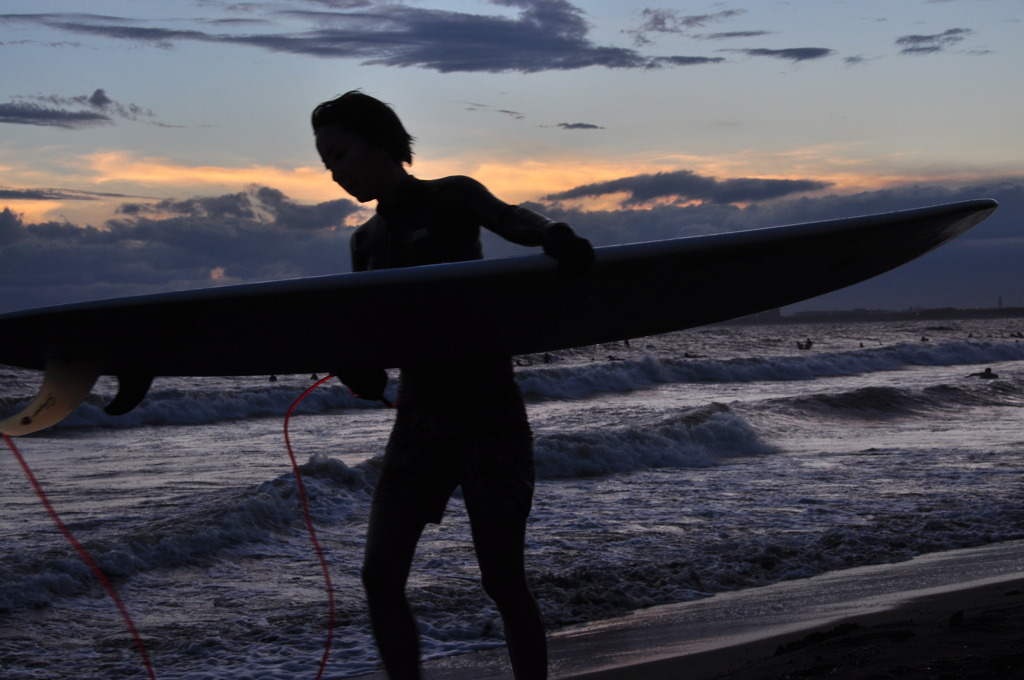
505, 588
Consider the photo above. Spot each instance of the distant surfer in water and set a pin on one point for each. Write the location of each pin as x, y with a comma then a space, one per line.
459, 423
987, 374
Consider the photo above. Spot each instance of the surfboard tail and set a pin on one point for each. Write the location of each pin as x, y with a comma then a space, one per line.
66, 384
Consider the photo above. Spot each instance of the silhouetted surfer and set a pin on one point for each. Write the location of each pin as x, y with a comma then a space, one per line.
987, 374
460, 423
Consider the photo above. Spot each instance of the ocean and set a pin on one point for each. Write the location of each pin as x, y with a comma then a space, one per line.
670, 468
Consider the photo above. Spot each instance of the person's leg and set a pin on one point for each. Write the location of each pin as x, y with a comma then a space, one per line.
390, 546
499, 548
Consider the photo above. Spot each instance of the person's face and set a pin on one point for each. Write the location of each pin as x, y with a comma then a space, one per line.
363, 170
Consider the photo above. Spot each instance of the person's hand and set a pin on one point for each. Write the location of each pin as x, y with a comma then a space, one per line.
365, 383
575, 255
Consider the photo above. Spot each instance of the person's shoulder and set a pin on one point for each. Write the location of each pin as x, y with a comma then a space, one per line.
455, 184
465, 192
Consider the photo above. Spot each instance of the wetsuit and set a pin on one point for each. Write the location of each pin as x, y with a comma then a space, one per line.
458, 423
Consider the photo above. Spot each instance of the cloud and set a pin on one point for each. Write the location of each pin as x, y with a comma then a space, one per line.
674, 22
579, 126
791, 54
27, 113
670, 21
262, 234
258, 204
686, 61
543, 35
518, 115
684, 186
256, 234
42, 194
730, 35
929, 44
309, 182
69, 112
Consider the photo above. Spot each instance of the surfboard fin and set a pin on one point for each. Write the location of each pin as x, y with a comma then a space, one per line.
66, 384
131, 389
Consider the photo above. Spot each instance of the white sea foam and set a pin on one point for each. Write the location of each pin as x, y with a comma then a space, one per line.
256, 399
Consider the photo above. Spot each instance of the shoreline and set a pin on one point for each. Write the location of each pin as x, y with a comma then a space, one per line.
851, 624
776, 317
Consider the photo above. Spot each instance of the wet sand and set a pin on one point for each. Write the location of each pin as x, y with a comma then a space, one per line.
977, 633
958, 614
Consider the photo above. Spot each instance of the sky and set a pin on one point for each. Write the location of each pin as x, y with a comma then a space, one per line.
159, 145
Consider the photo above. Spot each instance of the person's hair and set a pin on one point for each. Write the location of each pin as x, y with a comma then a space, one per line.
370, 119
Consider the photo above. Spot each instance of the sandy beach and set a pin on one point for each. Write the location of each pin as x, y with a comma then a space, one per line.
951, 615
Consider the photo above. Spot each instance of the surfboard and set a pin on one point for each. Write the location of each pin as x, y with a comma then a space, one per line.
401, 317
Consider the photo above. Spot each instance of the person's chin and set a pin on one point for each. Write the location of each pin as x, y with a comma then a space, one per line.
361, 196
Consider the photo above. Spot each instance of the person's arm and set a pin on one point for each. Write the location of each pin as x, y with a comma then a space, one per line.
515, 223
364, 383
574, 254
